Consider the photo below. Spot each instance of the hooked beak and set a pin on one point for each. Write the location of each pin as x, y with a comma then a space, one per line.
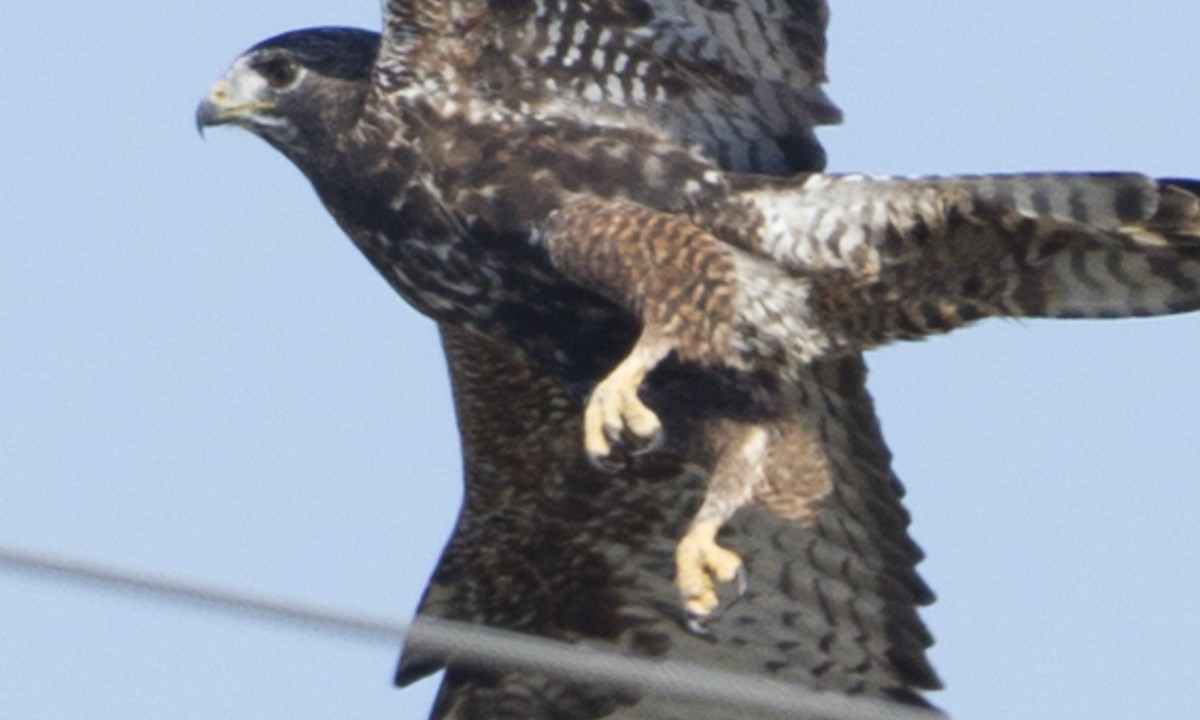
215, 108
207, 115
223, 105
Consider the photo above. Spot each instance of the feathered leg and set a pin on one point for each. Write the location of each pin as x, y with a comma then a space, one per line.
680, 282
676, 278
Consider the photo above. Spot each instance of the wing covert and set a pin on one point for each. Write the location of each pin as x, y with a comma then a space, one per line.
742, 80
907, 257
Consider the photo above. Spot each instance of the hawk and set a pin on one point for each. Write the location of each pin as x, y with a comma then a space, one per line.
618, 205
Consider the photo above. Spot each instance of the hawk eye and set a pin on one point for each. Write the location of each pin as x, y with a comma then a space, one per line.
278, 72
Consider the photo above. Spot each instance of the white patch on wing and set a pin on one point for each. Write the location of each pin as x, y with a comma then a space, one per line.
777, 304
828, 223
593, 93
615, 90
550, 50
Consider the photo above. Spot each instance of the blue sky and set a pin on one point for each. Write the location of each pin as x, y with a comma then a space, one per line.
200, 376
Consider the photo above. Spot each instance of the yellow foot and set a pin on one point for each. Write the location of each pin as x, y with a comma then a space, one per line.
616, 417
700, 563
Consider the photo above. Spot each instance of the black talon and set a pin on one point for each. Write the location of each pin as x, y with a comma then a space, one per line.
742, 582
695, 625
653, 444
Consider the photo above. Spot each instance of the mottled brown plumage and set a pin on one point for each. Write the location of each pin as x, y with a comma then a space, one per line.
548, 544
560, 184
765, 276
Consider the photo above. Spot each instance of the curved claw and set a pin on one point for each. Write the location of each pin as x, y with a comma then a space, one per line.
616, 419
700, 564
606, 461
697, 620
742, 580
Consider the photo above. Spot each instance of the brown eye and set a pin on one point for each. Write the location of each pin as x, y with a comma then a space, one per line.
279, 73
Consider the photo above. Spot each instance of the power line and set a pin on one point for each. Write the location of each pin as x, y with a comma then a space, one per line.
481, 646
302, 615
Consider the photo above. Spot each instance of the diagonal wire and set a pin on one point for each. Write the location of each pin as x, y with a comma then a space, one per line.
485, 647
303, 615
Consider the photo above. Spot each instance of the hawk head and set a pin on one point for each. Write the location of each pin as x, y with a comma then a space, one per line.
297, 90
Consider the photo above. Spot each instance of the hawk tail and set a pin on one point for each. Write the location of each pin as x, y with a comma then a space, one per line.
908, 257
1092, 246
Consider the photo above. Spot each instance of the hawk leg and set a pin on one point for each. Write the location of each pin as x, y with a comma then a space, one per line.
677, 279
737, 478
616, 417
699, 561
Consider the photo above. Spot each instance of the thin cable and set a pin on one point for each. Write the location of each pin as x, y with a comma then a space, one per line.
484, 647
302, 615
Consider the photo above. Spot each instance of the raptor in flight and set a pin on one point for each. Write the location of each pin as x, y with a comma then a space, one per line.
618, 205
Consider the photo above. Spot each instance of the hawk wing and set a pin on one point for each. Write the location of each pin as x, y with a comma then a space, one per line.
547, 545
740, 79
904, 257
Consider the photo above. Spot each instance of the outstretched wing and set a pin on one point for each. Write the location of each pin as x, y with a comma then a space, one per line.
740, 79
547, 545
891, 257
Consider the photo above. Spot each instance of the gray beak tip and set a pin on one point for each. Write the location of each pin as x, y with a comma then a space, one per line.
206, 115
